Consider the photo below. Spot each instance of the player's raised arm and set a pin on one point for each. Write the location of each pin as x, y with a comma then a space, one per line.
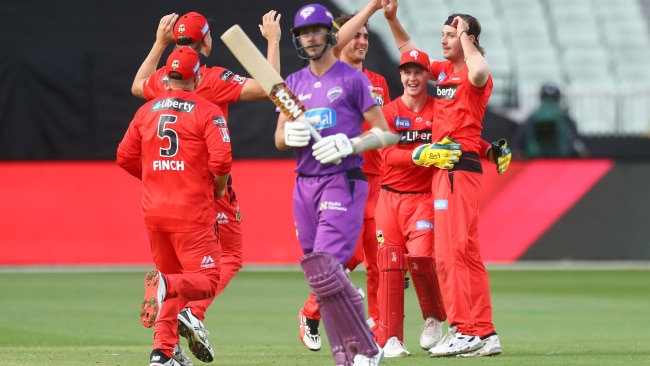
478, 67
270, 29
402, 39
345, 33
164, 36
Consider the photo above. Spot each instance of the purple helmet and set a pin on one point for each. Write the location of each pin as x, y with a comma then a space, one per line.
312, 14
309, 16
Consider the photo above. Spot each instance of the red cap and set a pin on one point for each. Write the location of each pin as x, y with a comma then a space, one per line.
193, 25
415, 57
185, 61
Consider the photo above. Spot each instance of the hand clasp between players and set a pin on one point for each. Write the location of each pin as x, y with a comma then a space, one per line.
332, 148
443, 155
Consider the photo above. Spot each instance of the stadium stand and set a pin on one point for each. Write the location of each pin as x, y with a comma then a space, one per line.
597, 51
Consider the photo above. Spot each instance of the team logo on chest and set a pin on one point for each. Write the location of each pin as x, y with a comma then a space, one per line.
334, 93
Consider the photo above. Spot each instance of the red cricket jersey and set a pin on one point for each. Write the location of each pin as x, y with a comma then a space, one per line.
175, 143
217, 84
372, 160
460, 106
399, 171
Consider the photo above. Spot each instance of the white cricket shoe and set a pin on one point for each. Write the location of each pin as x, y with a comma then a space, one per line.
491, 347
455, 343
309, 334
181, 357
431, 333
158, 358
191, 328
395, 348
363, 360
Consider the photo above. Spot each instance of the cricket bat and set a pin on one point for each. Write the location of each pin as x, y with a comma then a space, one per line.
269, 79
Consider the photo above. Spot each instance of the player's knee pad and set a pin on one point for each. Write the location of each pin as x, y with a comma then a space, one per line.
341, 307
427, 288
390, 298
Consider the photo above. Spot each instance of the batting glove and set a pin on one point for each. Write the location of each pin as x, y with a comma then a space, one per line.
296, 134
443, 154
499, 153
332, 148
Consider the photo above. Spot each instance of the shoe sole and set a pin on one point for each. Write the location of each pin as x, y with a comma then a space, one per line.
486, 354
149, 309
196, 346
458, 353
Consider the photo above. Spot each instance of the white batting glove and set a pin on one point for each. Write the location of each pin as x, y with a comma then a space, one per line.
296, 134
332, 148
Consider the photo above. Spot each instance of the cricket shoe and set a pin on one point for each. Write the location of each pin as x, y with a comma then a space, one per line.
363, 360
491, 347
431, 333
395, 348
181, 357
155, 289
158, 358
309, 335
455, 343
191, 328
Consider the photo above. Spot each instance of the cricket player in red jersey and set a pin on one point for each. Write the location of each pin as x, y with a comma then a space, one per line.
463, 88
404, 214
354, 53
221, 87
179, 146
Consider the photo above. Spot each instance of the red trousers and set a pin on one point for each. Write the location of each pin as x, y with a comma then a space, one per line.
190, 264
462, 275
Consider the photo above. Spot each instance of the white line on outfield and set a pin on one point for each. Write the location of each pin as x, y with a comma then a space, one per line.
521, 265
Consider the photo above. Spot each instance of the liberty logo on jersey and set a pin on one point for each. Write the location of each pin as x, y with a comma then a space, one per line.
445, 92
207, 262
173, 104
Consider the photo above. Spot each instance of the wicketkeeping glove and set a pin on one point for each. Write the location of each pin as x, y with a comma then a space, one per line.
296, 134
443, 154
332, 148
499, 153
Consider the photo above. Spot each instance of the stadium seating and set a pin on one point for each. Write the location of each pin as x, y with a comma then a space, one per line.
597, 51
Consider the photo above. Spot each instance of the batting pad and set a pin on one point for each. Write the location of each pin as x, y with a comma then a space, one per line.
427, 288
390, 298
341, 307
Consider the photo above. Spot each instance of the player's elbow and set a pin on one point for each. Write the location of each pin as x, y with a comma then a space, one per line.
136, 90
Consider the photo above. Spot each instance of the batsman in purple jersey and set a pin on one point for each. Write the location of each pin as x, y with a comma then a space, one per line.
331, 190
329, 199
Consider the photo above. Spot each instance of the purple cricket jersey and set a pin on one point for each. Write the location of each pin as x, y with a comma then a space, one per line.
339, 97
329, 199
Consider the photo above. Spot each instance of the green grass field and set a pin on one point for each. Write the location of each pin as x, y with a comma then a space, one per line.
544, 317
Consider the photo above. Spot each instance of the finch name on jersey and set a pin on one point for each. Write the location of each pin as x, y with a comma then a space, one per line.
173, 104
168, 165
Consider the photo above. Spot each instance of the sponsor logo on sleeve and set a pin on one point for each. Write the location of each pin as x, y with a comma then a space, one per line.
219, 121
225, 136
